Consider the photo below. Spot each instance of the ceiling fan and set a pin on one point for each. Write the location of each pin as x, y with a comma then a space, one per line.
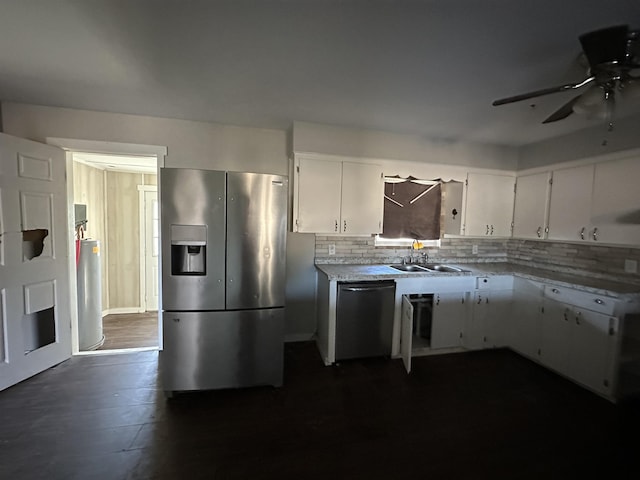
612, 55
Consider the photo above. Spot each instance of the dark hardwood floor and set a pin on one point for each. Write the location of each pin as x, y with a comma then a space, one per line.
133, 330
476, 415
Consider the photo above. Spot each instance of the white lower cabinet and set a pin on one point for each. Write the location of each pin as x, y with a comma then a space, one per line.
555, 331
430, 322
406, 333
489, 319
447, 319
490, 313
591, 348
524, 326
578, 342
570, 330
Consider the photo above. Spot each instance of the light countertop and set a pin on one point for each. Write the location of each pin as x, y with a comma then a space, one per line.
599, 286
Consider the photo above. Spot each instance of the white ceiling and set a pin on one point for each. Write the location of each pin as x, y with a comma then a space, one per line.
427, 67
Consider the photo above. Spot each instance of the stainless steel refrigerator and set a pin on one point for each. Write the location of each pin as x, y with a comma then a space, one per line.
223, 276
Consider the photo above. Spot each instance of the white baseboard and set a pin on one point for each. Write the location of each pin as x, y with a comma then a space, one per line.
298, 337
123, 310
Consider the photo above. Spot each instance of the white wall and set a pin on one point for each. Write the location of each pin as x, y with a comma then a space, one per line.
585, 143
351, 142
189, 144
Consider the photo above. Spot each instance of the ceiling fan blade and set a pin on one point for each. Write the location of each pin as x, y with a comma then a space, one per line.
606, 45
545, 91
563, 112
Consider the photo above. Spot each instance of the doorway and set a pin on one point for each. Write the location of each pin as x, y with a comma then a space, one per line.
118, 194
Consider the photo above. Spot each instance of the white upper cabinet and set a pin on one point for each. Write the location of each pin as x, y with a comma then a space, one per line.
317, 194
531, 209
489, 205
597, 203
332, 196
615, 214
362, 198
570, 206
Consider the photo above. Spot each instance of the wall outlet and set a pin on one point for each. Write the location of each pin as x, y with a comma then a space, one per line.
631, 266
474, 249
332, 249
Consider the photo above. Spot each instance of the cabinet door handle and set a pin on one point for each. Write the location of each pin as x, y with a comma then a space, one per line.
345, 226
582, 233
566, 317
539, 232
578, 318
595, 234
336, 225
491, 229
487, 232
479, 299
599, 301
438, 300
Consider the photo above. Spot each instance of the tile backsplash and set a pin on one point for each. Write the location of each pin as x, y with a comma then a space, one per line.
594, 260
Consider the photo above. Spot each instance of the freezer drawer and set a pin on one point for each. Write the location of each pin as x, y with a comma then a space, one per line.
214, 350
364, 320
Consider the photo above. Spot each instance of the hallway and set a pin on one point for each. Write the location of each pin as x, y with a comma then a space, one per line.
135, 330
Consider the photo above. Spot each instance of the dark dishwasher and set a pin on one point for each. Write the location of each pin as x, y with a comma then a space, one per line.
364, 320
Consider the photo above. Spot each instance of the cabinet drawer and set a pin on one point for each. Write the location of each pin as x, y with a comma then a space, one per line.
499, 282
589, 301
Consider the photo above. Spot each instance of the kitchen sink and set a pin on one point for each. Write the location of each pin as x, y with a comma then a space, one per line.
410, 268
444, 268
432, 268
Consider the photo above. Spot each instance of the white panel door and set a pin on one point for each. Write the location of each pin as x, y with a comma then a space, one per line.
362, 199
570, 205
151, 249
448, 317
531, 205
616, 202
319, 190
35, 323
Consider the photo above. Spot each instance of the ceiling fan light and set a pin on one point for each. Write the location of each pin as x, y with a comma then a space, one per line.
631, 89
590, 102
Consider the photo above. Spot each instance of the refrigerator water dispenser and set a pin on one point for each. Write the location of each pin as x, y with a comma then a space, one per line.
188, 249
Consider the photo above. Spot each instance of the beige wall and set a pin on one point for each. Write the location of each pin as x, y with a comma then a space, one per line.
150, 179
89, 189
123, 239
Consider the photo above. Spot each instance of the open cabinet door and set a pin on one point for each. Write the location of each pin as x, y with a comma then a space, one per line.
406, 332
35, 321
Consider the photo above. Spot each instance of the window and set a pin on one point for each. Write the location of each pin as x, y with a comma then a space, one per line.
411, 211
